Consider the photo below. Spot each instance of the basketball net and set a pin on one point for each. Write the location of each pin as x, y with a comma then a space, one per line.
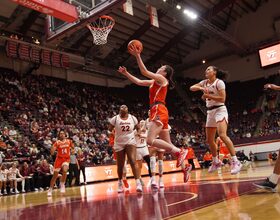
101, 28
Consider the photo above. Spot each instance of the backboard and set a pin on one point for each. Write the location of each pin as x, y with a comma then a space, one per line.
88, 10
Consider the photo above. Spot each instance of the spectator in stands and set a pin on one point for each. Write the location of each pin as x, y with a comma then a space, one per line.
34, 172
44, 175
207, 158
74, 169
82, 164
190, 156
4, 177
12, 176
29, 182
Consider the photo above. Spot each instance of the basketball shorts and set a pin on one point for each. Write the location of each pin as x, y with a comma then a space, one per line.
159, 113
60, 162
215, 116
119, 147
141, 152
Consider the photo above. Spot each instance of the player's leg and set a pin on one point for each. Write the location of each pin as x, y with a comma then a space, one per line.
120, 156
222, 132
210, 139
64, 169
154, 130
54, 177
153, 161
271, 182
160, 169
131, 156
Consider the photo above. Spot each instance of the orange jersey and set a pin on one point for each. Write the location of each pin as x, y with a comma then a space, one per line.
191, 154
207, 157
224, 150
63, 148
158, 93
112, 139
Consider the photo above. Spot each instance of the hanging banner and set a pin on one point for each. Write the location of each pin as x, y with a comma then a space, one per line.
128, 7
153, 16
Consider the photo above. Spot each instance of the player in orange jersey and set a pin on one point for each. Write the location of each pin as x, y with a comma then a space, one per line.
63, 147
158, 83
223, 152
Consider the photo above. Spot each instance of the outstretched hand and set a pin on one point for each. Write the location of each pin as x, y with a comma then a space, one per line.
269, 86
133, 50
122, 70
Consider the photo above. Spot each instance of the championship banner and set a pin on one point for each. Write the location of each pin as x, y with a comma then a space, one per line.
153, 16
128, 7
58, 9
109, 172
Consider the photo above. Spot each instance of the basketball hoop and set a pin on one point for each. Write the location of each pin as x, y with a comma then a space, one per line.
101, 28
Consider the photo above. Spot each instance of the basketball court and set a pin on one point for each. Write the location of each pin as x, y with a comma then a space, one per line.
205, 196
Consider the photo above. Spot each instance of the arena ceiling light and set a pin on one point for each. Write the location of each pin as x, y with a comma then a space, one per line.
178, 7
191, 14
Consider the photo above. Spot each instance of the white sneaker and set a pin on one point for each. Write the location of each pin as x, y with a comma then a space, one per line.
1, 194
16, 191
41, 189
49, 192
120, 187
154, 184
139, 187
5, 192
62, 188
23, 191
215, 166
160, 183
235, 167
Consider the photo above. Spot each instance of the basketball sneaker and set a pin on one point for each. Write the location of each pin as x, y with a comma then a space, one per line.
50, 192
214, 166
160, 183
187, 172
139, 187
235, 167
154, 184
62, 188
266, 184
120, 187
125, 183
181, 157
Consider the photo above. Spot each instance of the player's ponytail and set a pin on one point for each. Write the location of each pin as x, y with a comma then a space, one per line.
220, 74
169, 76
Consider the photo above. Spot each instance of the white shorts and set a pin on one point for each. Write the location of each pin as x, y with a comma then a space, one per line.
216, 115
119, 147
141, 152
2, 178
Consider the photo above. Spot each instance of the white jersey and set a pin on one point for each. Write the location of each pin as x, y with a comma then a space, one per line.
13, 172
141, 138
213, 89
124, 129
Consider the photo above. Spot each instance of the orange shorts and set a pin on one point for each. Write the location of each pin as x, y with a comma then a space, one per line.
61, 161
159, 113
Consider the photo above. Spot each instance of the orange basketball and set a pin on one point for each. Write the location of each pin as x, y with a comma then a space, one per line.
136, 43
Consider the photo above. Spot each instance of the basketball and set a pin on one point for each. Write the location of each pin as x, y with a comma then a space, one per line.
136, 43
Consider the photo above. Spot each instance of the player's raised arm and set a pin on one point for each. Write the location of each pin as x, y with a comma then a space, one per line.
271, 86
134, 79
